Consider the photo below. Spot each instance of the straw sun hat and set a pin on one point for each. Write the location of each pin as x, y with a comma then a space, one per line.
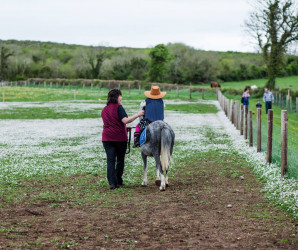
155, 93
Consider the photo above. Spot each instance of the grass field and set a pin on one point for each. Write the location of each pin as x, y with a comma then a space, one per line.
35, 94
54, 192
282, 83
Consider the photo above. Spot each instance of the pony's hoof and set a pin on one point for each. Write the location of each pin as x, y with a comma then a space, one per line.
157, 182
167, 185
162, 188
144, 184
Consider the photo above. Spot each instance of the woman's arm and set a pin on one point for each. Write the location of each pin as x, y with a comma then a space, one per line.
126, 120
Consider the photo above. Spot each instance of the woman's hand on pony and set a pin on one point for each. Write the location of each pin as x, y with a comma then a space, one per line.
126, 120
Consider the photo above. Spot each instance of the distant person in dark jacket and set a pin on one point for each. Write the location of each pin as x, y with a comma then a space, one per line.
259, 104
154, 111
268, 98
114, 136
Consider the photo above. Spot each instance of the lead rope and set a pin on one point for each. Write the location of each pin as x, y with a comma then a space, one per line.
129, 138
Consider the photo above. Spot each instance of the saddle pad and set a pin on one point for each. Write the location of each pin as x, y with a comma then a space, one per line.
143, 137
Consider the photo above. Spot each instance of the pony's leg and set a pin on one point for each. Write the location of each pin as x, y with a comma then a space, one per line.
157, 181
158, 168
144, 183
163, 180
166, 179
160, 177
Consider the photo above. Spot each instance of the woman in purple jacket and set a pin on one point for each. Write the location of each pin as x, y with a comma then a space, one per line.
114, 136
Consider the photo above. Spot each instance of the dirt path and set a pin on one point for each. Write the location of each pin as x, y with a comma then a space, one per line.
212, 203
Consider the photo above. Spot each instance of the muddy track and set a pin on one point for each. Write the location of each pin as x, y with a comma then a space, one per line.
208, 205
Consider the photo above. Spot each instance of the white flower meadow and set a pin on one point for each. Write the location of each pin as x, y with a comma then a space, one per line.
41, 147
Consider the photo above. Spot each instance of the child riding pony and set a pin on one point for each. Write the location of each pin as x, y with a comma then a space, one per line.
154, 111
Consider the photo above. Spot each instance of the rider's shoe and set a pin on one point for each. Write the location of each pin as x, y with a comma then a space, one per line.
136, 139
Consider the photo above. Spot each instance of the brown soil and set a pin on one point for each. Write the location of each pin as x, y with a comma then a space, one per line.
203, 208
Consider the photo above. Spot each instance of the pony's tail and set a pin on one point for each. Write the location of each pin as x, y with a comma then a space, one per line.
165, 153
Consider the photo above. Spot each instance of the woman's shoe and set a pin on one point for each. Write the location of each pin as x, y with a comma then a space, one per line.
114, 187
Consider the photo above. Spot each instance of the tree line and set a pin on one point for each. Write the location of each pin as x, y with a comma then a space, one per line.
172, 63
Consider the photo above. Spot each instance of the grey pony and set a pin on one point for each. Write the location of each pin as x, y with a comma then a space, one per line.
159, 143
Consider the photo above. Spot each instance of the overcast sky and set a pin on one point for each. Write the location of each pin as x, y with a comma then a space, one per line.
203, 24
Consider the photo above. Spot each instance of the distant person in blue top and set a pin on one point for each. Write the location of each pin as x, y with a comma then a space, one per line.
268, 98
259, 104
154, 111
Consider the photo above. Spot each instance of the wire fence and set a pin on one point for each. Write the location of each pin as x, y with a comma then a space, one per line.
292, 157
233, 111
287, 102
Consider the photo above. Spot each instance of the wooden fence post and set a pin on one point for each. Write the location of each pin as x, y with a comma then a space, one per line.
129, 88
291, 106
241, 119
225, 105
245, 122
250, 129
177, 91
139, 89
237, 114
3, 97
228, 109
280, 101
189, 92
269, 135
231, 110
275, 97
259, 129
51, 84
284, 141
44, 84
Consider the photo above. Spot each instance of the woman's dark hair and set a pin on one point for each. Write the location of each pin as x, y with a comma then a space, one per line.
113, 96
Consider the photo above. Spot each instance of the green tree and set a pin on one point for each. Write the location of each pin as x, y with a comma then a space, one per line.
95, 60
159, 58
139, 67
274, 25
5, 54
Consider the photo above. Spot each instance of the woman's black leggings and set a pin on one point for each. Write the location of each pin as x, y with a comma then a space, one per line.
115, 151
